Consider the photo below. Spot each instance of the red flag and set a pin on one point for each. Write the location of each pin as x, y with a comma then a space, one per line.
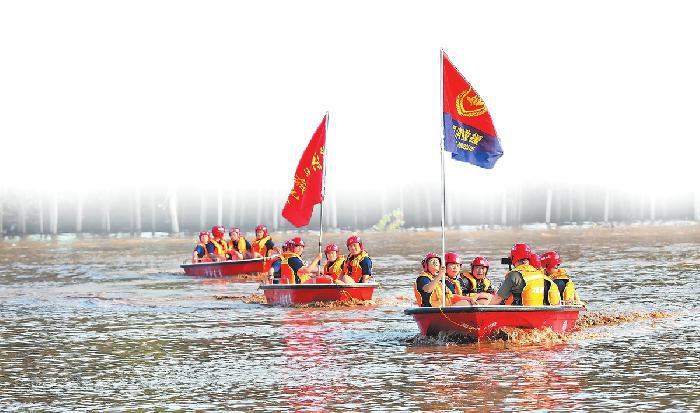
468, 128
308, 180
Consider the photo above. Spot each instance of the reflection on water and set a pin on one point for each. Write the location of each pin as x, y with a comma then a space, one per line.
111, 324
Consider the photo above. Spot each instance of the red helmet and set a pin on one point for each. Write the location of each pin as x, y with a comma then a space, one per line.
285, 246
203, 233
452, 258
331, 247
354, 239
428, 256
262, 228
218, 231
520, 252
535, 261
550, 259
296, 242
234, 229
480, 261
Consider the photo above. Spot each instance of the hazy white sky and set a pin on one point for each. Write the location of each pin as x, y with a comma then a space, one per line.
176, 92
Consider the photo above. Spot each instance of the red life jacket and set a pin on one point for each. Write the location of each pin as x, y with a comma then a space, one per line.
287, 272
352, 266
334, 268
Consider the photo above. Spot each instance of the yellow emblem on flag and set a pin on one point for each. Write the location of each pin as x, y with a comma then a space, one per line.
475, 105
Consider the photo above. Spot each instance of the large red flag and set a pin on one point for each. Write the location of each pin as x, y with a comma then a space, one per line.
468, 128
308, 180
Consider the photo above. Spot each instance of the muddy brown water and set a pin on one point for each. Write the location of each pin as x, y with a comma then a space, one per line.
112, 324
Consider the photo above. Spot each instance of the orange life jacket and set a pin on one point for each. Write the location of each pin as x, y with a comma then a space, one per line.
287, 272
219, 246
436, 294
205, 257
473, 283
240, 247
569, 291
334, 268
352, 266
259, 246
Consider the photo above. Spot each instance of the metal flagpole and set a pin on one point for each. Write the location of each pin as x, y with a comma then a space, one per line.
442, 180
323, 196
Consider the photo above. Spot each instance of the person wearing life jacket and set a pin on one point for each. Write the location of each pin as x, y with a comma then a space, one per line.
453, 268
428, 286
275, 272
334, 264
200, 251
238, 246
292, 268
358, 265
525, 284
217, 247
551, 262
475, 283
535, 261
262, 246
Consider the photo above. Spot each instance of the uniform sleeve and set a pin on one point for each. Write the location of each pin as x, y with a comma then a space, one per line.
200, 251
269, 244
295, 263
421, 282
210, 248
276, 265
366, 265
514, 283
248, 246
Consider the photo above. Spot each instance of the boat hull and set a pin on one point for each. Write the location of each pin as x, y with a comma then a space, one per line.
296, 294
479, 321
253, 269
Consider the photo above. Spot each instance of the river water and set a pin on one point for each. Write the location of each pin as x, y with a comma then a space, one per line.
112, 324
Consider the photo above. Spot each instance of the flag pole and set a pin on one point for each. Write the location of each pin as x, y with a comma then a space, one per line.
323, 197
442, 180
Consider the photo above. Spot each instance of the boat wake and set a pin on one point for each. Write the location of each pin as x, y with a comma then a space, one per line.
591, 319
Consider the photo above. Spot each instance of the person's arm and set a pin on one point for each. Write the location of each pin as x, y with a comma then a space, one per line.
269, 245
214, 256
506, 289
428, 288
312, 267
295, 264
366, 266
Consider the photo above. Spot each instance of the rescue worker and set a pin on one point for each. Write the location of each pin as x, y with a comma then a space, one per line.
292, 268
238, 246
358, 265
525, 285
275, 272
334, 264
217, 247
453, 267
559, 276
262, 246
475, 283
535, 261
200, 250
428, 286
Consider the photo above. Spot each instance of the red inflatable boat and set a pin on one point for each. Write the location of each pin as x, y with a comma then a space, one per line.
295, 294
480, 321
257, 267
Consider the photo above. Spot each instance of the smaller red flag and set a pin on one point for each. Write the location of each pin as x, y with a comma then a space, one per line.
308, 180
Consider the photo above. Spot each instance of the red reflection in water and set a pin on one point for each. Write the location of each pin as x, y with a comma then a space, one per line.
310, 345
532, 380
